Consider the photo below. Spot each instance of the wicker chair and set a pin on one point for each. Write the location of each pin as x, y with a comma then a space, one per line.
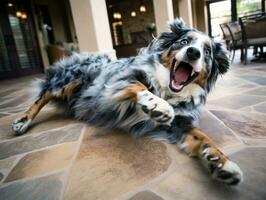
253, 32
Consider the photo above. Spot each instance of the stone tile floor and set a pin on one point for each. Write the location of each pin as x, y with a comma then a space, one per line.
61, 158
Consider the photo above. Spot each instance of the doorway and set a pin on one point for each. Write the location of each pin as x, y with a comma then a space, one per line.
223, 11
219, 12
19, 50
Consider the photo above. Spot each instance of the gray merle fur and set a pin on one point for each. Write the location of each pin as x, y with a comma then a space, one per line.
102, 78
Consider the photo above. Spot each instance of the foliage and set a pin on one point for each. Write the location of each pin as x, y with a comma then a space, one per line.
150, 27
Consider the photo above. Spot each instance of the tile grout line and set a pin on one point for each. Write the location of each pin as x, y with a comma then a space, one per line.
256, 104
40, 149
247, 81
61, 170
243, 92
233, 110
236, 135
233, 149
6, 113
256, 146
34, 134
24, 103
148, 185
71, 163
17, 159
20, 156
261, 140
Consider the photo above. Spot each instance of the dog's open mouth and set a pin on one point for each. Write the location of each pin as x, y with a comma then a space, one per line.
182, 73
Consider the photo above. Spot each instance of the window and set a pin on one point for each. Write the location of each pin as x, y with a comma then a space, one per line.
220, 12
248, 7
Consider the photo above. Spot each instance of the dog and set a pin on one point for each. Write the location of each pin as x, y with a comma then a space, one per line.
159, 93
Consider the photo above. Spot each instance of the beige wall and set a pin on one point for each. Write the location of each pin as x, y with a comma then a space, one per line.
197, 12
175, 8
61, 24
70, 22
92, 26
185, 11
58, 16
199, 15
163, 14
81, 12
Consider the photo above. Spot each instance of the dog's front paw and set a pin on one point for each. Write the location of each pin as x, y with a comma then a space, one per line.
21, 125
222, 169
157, 108
229, 173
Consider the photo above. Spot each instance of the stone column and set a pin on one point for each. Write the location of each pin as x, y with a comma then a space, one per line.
163, 11
185, 11
200, 19
92, 26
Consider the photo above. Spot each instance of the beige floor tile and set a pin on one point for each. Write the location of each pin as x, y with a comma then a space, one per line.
110, 164
245, 124
41, 162
45, 120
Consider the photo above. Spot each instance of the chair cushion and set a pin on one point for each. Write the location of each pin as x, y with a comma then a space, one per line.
257, 41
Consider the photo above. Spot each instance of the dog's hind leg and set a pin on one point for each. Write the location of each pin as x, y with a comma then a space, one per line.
157, 108
198, 144
21, 124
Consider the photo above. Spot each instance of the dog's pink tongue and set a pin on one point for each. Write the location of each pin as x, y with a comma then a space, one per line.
181, 75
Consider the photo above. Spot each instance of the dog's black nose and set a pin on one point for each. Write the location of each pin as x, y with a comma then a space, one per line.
193, 53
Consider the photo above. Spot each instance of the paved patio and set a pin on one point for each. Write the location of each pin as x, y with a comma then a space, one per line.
61, 158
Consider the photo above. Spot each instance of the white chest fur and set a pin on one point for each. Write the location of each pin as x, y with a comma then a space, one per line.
190, 91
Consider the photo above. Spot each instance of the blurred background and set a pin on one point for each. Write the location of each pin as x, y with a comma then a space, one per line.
36, 33
62, 158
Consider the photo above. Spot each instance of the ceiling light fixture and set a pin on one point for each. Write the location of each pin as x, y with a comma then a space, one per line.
18, 14
142, 7
117, 15
24, 16
133, 14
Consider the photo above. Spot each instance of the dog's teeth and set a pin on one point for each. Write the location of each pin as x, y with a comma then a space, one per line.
193, 72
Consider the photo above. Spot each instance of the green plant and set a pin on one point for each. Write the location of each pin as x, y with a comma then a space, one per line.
150, 27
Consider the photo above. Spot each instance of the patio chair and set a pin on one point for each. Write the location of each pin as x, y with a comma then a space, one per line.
56, 52
236, 35
253, 32
226, 35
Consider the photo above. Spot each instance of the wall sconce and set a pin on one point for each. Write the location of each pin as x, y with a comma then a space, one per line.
117, 15
142, 8
21, 15
18, 14
133, 14
24, 16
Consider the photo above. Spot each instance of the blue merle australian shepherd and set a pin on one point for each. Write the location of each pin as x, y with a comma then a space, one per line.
158, 93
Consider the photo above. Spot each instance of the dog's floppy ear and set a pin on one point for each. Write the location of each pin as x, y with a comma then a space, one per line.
220, 57
177, 26
220, 65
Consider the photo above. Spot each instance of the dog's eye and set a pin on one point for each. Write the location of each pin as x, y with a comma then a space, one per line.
207, 52
184, 42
